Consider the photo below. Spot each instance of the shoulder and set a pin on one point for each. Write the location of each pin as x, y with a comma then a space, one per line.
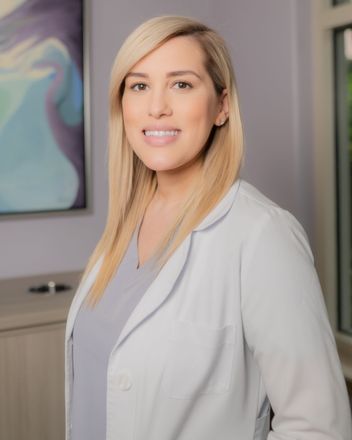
261, 221
253, 206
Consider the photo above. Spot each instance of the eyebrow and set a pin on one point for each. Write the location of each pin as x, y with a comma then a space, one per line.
169, 74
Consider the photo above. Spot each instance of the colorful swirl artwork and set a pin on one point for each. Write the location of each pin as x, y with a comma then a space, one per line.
42, 146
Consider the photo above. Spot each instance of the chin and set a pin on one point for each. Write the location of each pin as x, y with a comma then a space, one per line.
160, 165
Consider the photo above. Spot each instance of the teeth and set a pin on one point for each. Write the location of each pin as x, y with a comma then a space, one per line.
160, 133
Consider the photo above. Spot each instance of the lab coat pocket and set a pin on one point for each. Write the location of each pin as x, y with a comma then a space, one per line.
199, 360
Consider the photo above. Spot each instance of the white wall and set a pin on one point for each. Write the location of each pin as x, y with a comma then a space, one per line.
269, 41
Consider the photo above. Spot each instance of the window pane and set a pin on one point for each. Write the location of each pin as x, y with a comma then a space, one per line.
343, 90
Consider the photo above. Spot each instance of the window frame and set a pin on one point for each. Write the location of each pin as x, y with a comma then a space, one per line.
325, 18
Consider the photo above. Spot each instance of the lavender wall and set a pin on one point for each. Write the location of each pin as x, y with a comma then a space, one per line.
271, 54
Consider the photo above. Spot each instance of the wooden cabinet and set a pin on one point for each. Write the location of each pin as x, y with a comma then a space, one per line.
32, 329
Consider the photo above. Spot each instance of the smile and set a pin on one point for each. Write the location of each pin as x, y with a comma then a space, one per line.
161, 133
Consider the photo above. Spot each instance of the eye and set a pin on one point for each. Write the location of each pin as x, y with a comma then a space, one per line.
182, 85
139, 87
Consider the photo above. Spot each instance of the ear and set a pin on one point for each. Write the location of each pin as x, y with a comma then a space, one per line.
223, 112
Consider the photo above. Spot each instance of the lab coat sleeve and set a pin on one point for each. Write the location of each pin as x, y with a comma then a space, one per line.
287, 329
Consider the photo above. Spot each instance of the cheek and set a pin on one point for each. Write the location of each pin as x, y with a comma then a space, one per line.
126, 111
130, 110
201, 112
130, 121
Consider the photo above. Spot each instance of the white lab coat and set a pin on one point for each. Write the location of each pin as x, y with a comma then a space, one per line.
235, 319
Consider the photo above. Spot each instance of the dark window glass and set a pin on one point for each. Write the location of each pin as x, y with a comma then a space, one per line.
343, 94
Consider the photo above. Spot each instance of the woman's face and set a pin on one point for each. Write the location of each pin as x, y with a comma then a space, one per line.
170, 105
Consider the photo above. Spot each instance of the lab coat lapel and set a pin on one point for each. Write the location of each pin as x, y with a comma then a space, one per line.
159, 290
167, 277
151, 300
78, 299
165, 280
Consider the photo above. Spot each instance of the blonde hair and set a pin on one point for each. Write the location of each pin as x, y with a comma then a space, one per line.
131, 183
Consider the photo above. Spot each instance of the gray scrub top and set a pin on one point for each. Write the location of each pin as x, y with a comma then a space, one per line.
95, 333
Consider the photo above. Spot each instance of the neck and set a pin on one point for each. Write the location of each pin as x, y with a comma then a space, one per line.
174, 186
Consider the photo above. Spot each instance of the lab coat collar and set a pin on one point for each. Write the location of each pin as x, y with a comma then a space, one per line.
221, 208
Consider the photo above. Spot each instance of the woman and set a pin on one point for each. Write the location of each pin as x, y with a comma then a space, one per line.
200, 307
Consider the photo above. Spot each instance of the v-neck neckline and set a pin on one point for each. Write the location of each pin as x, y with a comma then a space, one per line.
137, 266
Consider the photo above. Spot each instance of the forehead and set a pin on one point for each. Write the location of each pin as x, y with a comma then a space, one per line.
179, 53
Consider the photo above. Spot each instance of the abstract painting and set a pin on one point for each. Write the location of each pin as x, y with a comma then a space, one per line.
42, 142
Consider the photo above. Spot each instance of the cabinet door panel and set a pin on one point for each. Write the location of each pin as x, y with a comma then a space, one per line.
32, 383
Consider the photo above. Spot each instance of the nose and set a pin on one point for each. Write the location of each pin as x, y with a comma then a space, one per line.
159, 104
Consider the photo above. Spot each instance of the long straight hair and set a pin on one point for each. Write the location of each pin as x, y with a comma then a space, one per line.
131, 184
